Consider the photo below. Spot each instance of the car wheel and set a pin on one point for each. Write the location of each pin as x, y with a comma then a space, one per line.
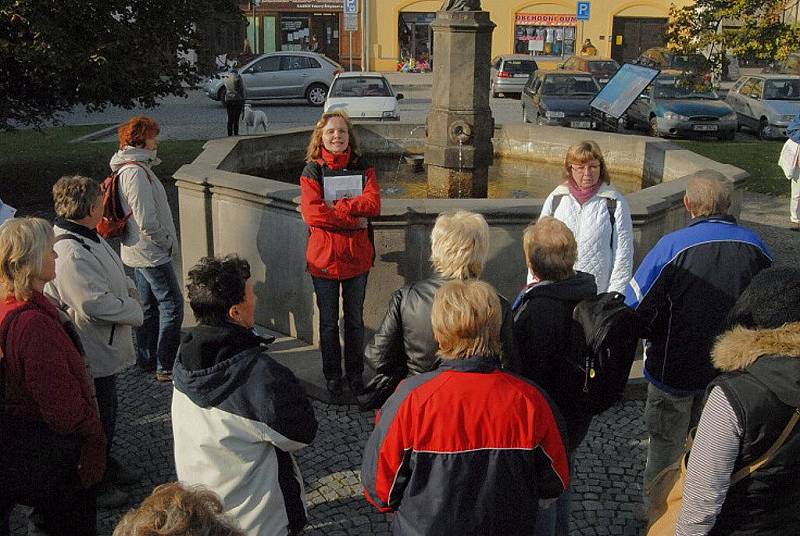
762, 128
654, 127
316, 94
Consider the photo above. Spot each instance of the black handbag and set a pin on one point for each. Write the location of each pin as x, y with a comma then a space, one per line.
377, 391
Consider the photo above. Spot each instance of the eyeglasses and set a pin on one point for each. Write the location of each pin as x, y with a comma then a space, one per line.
584, 168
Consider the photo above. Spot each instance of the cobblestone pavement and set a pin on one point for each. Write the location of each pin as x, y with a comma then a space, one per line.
607, 481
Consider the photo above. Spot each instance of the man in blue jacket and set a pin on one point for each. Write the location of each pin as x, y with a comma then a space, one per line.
683, 291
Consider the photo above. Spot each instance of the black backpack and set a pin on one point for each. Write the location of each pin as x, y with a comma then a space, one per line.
610, 331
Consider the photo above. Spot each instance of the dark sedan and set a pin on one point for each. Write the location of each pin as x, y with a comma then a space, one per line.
559, 98
601, 69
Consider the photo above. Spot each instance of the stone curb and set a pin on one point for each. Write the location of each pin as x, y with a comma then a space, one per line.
97, 135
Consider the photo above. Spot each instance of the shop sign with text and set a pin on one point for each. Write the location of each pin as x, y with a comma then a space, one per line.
544, 19
306, 5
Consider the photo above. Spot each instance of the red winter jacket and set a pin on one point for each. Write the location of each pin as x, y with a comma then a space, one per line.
339, 245
46, 380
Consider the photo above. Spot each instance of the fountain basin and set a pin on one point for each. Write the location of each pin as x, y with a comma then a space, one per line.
223, 209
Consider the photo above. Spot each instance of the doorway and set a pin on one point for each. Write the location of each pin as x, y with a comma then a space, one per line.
633, 35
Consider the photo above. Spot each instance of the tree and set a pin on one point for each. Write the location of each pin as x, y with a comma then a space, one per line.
752, 29
55, 55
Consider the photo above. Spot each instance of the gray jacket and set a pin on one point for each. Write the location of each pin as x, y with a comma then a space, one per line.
150, 235
91, 284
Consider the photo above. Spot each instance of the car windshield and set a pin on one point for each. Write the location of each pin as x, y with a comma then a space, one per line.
788, 89
520, 66
603, 66
670, 88
569, 85
361, 86
692, 61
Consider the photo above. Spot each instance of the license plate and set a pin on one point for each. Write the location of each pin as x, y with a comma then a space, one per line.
604, 80
521, 75
580, 124
705, 128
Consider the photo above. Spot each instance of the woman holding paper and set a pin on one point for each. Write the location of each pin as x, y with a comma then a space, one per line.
339, 191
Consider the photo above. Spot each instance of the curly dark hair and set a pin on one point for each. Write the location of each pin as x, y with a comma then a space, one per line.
215, 285
177, 510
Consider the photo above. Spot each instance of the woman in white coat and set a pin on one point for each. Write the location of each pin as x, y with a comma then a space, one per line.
597, 214
101, 300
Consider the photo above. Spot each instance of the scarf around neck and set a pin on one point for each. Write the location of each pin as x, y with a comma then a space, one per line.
583, 195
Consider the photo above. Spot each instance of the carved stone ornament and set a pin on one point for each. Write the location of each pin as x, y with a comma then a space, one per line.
461, 5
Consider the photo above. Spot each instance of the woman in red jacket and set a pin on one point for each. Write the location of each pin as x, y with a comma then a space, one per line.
53, 447
339, 193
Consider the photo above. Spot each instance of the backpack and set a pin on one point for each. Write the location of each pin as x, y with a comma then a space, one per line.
609, 330
114, 219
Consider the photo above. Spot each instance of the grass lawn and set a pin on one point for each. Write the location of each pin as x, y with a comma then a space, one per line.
759, 158
31, 161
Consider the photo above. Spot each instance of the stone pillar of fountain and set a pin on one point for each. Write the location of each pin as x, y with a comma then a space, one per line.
460, 125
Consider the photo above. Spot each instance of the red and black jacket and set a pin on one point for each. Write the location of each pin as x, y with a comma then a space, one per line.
339, 244
465, 449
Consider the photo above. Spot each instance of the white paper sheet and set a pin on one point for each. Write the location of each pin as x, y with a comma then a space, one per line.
342, 186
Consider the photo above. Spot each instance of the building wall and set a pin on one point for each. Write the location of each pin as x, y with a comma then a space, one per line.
383, 18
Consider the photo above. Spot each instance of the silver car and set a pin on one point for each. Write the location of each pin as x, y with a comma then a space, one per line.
766, 102
510, 72
282, 75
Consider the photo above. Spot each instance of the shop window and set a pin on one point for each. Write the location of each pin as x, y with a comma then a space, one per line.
416, 41
295, 32
545, 35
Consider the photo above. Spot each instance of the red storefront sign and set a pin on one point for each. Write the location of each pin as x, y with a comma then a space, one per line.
303, 5
544, 19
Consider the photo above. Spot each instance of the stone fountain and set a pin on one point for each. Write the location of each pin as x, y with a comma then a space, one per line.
460, 126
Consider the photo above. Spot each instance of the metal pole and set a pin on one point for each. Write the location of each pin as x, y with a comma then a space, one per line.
255, 28
351, 50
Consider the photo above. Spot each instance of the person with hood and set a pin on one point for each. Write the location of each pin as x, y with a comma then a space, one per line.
750, 406
340, 251
545, 336
597, 214
237, 414
52, 446
148, 244
101, 301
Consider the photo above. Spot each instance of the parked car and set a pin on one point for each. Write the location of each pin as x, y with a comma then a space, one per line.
282, 75
363, 96
601, 69
766, 102
671, 106
662, 58
559, 98
510, 72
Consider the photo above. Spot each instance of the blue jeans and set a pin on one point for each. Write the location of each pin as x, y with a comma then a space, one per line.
352, 291
162, 301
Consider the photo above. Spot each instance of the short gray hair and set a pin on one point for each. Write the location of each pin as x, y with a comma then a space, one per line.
74, 196
459, 244
708, 192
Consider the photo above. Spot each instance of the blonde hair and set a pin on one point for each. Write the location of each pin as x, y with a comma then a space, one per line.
24, 242
314, 150
177, 510
550, 249
466, 317
459, 244
74, 196
583, 152
708, 193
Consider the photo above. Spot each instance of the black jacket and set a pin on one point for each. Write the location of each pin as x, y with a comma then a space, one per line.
683, 290
404, 342
763, 388
546, 335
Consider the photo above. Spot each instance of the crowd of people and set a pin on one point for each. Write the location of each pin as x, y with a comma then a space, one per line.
477, 432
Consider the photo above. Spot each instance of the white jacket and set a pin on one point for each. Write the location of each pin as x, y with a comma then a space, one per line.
611, 262
789, 160
91, 283
150, 235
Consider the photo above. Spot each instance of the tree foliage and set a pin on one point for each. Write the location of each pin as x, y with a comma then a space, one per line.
55, 55
751, 29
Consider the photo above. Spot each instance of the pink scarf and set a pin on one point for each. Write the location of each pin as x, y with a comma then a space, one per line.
581, 195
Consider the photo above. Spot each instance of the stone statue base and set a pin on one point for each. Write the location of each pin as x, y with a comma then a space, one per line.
460, 126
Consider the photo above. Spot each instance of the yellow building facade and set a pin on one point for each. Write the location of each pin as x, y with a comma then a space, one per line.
399, 30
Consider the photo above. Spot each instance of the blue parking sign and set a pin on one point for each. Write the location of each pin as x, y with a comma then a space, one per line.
351, 6
583, 10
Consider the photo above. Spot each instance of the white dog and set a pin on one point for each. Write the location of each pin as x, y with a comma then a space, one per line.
253, 119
